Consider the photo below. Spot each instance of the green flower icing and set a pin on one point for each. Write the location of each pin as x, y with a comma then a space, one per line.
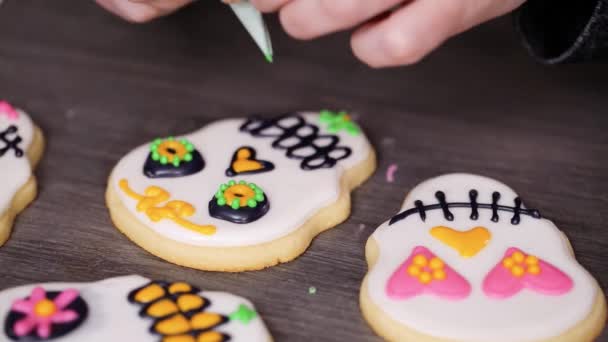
339, 121
177, 161
235, 204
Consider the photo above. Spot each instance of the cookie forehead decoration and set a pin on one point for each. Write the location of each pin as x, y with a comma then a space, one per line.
466, 260
130, 308
240, 194
21, 145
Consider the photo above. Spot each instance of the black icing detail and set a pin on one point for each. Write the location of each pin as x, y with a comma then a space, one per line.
266, 165
495, 199
473, 204
57, 329
440, 195
322, 156
242, 215
516, 212
420, 206
11, 144
154, 169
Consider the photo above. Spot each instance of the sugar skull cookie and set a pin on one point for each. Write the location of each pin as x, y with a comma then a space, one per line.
240, 194
130, 308
21, 145
465, 260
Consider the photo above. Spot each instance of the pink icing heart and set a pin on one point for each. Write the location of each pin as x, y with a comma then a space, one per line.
423, 272
518, 270
8, 110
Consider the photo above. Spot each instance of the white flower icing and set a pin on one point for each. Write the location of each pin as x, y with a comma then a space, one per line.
295, 195
525, 316
111, 317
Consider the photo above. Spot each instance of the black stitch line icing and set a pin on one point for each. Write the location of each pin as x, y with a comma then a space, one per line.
440, 195
321, 158
473, 204
421, 209
11, 144
495, 199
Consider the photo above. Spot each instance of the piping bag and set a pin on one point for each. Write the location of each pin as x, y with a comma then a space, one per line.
253, 21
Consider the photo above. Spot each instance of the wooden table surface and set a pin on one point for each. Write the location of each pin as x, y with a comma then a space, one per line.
99, 87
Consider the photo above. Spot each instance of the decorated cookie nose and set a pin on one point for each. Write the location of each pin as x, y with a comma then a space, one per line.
244, 161
466, 243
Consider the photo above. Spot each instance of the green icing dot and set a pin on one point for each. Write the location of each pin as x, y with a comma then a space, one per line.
252, 203
243, 314
242, 182
221, 201
164, 160
176, 161
155, 156
236, 203
223, 187
188, 157
259, 197
231, 183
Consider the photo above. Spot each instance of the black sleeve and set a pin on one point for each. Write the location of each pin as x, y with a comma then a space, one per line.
560, 31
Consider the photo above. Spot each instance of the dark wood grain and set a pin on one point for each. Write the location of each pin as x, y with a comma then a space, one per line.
99, 86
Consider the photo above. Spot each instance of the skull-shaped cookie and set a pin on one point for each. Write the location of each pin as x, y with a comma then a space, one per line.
240, 194
465, 260
130, 308
21, 145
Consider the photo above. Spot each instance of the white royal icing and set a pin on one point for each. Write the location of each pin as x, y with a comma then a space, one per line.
14, 171
523, 317
111, 317
295, 195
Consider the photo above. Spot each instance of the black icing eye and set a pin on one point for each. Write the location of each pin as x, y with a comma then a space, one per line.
240, 202
244, 161
172, 157
45, 315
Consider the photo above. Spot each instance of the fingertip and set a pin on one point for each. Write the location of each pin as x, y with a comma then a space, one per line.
293, 23
380, 47
268, 6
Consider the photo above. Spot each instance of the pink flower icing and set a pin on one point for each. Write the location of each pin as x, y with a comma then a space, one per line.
502, 282
448, 285
8, 110
35, 318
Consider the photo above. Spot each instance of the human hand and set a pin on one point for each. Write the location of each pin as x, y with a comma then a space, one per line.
141, 11
388, 32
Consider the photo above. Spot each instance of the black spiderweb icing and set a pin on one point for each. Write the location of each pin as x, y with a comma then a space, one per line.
300, 140
443, 205
7, 143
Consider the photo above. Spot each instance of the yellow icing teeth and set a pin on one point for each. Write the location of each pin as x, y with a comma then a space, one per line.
149, 294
